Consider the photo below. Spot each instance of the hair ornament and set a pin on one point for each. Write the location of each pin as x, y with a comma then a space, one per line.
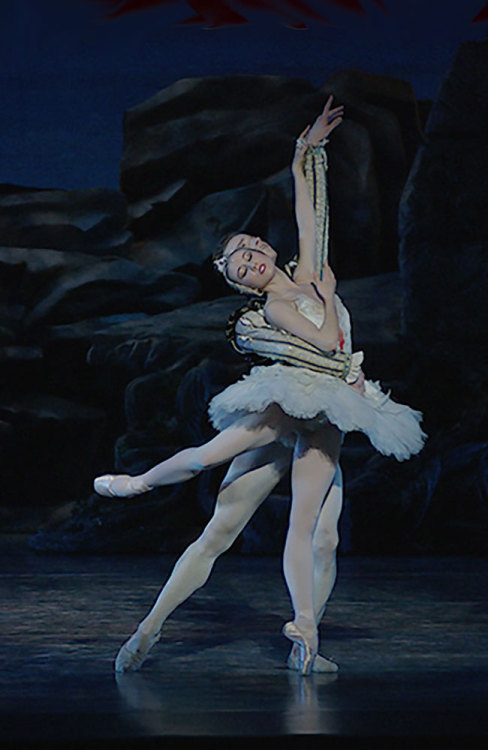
221, 264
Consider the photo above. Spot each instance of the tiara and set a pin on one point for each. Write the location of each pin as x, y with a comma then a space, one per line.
221, 264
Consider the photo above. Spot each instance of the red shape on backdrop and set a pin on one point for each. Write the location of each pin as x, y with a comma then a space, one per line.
482, 15
120, 7
218, 13
223, 13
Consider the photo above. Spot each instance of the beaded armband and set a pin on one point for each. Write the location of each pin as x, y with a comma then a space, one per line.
250, 334
315, 169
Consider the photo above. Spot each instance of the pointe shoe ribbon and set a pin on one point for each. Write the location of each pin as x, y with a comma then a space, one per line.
307, 653
119, 485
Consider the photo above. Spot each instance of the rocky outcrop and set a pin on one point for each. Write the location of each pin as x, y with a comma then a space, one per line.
48, 449
110, 286
202, 152
436, 503
185, 334
194, 236
89, 221
197, 136
443, 252
60, 265
444, 237
55, 286
380, 150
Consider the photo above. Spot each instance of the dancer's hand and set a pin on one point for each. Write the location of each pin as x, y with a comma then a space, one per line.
358, 384
326, 286
325, 122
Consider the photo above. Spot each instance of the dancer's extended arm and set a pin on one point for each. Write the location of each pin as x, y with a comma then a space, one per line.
309, 168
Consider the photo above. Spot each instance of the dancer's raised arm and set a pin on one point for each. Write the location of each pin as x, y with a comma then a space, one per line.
311, 137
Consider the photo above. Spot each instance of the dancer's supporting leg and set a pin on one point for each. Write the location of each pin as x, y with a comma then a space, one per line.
247, 433
314, 466
250, 479
325, 541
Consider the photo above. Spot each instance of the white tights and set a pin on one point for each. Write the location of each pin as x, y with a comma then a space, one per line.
260, 462
312, 531
250, 479
245, 434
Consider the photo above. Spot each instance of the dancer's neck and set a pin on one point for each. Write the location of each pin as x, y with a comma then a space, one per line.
281, 286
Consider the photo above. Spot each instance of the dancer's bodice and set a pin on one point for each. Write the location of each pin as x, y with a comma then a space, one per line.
310, 308
313, 310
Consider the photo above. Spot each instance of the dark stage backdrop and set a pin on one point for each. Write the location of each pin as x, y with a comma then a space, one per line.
134, 133
69, 70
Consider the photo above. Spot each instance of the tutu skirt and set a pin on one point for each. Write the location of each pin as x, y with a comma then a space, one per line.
313, 399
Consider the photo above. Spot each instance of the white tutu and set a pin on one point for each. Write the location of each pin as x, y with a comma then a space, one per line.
313, 398
393, 428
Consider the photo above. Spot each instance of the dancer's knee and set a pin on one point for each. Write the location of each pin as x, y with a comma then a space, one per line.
325, 542
301, 526
217, 538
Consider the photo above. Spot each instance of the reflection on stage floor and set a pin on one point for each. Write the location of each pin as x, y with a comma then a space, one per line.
410, 636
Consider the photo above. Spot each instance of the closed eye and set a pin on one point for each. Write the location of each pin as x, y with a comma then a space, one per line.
241, 272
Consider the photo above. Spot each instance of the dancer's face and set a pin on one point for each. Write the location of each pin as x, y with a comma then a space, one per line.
251, 261
249, 240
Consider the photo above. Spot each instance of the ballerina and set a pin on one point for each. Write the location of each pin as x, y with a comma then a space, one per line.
274, 411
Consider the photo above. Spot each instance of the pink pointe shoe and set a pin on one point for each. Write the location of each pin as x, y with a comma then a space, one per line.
133, 653
307, 653
321, 664
119, 485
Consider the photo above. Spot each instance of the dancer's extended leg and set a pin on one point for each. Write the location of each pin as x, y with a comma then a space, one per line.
247, 433
313, 470
250, 479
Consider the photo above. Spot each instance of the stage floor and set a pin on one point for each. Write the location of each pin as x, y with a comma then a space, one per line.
410, 636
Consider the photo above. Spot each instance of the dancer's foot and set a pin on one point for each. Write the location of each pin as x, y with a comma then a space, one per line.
320, 663
120, 485
307, 640
134, 651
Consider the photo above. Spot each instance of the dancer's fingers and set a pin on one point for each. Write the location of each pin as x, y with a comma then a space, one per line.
328, 104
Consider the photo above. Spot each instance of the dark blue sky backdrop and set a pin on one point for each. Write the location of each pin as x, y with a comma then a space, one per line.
67, 74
